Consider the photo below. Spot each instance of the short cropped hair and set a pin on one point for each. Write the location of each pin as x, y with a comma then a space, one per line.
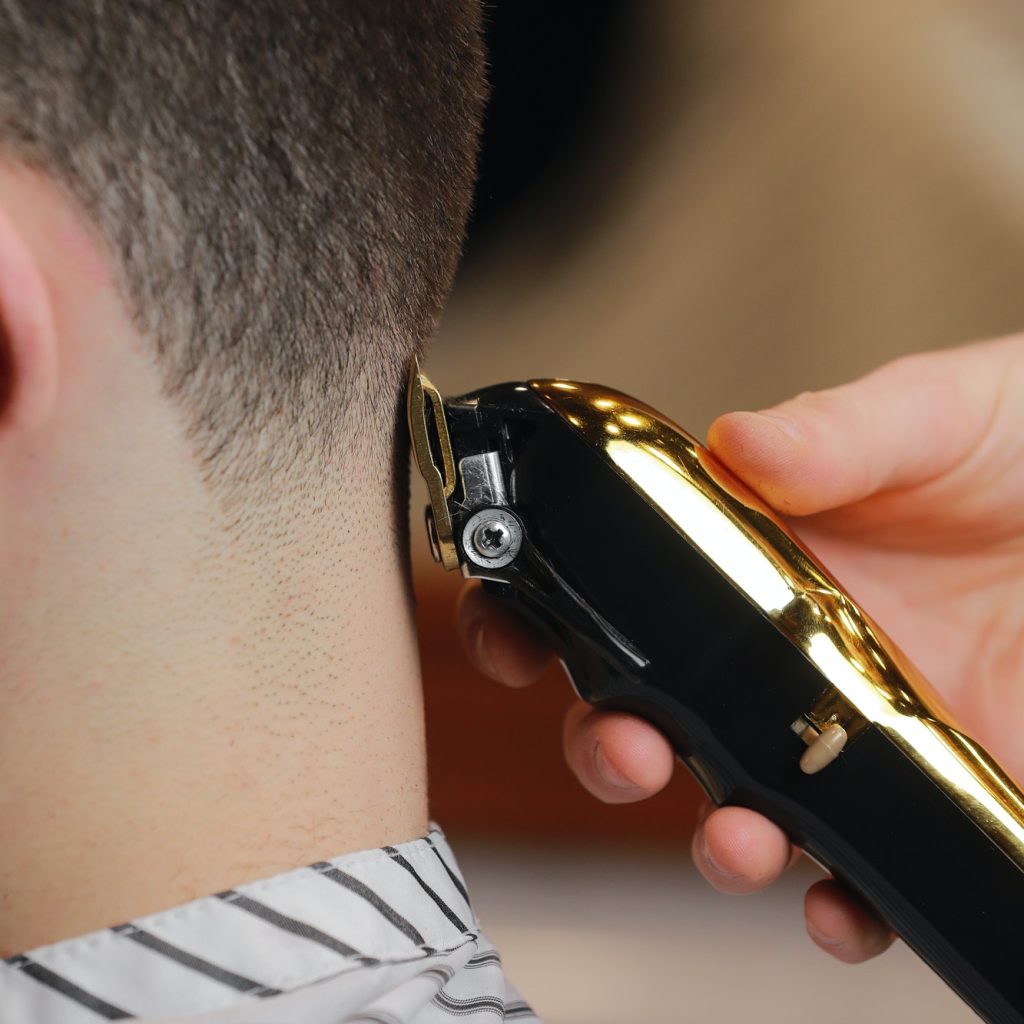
284, 183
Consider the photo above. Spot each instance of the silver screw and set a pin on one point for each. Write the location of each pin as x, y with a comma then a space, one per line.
492, 538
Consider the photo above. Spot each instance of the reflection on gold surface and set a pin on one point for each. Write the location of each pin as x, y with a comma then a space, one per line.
694, 512
874, 684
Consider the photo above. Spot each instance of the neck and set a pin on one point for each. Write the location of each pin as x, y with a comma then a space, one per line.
193, 695
176, 726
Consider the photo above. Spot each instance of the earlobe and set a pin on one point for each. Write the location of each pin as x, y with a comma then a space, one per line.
28, 342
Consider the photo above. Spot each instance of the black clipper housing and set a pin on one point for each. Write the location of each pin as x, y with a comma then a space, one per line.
671, 591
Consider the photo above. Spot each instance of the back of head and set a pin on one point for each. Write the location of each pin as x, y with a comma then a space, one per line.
284, 186
224, 229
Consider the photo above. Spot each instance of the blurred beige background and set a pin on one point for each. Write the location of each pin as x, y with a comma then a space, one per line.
785, 194
789, 193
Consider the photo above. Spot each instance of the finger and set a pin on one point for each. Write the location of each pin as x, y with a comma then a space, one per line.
497, 641
618, 758
740, 851
843, 926
906, 423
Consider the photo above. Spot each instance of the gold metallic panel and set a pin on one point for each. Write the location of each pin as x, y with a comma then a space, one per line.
425, 409
747, 541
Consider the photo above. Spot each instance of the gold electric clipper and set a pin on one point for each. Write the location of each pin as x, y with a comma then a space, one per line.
671, 591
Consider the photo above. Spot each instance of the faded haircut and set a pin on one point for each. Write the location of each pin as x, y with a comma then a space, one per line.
284, 184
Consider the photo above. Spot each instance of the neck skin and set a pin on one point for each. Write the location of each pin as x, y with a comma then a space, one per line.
186, 707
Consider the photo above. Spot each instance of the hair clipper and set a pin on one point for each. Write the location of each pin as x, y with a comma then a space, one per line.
669, 590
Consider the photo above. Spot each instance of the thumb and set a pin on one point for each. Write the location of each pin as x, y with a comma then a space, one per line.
907, 423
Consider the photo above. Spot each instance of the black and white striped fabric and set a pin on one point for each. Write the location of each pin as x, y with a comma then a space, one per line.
380, 937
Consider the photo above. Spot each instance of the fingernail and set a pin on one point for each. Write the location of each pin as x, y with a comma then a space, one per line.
608, 772
478, 645
781, 421
822, 939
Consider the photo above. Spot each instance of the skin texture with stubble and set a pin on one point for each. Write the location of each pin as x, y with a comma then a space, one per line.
185, 708
909, 485
224, 231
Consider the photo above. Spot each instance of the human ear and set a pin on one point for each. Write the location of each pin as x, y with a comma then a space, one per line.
28, 341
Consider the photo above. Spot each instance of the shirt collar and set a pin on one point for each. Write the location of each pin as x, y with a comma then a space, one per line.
385, 906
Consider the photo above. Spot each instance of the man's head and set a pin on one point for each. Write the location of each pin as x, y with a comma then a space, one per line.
283, 186
224, 228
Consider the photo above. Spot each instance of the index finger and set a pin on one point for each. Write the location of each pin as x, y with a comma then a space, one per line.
904, 424
498, 642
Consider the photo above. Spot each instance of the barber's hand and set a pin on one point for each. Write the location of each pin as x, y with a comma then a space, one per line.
909, 485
